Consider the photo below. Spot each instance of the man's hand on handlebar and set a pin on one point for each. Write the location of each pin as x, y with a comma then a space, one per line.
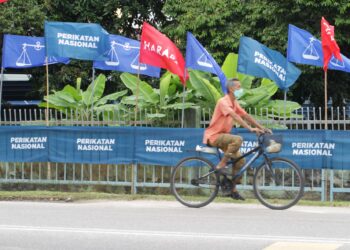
257, 130
268, 131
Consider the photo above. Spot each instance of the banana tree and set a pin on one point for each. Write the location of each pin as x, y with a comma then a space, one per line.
159, 102
84, 105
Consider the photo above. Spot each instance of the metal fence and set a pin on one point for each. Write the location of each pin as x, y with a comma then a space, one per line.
324, 184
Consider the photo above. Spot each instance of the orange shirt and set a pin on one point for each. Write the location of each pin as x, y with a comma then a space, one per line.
222, 122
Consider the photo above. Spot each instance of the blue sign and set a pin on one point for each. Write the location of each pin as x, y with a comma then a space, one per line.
304, 48
258, 60
197, 57
123, 55
24, 145
26, 52
85, 41
91, 145
310, 149
167, 147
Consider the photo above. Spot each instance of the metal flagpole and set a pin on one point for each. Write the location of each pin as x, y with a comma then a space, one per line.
183, 102
284, 106
325, 127
47, 91
92, 93
47, 110
1, 81
137, 92
325, 101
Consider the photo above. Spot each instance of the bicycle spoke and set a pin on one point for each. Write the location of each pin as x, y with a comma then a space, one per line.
280, 185
197, 185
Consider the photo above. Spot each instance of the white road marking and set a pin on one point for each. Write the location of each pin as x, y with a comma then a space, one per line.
174, 234
302, 246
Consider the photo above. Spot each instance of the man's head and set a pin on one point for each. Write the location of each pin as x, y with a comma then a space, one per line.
232, 85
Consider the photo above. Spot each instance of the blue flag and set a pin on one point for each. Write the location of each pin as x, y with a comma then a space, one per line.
304, 48
85, 41
197, 57
26, 52
124, 56
258, 60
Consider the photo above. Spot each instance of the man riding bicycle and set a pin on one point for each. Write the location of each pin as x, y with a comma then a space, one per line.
228, 112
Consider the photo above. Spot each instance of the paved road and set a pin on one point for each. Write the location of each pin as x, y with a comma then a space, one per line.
169, 225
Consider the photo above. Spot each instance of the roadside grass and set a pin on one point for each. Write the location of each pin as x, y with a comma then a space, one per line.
93, 196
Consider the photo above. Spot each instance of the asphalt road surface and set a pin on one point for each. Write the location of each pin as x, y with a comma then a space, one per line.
170, 225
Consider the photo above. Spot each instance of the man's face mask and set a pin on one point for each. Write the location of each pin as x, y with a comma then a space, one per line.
238, 93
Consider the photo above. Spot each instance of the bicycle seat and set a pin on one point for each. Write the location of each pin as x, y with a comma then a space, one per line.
208, 150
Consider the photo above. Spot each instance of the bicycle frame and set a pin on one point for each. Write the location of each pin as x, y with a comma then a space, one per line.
258, 152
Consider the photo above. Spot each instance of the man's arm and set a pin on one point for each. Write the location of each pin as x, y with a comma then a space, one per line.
253, 122
241, 122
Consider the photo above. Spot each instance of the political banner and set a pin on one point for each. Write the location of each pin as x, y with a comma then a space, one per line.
124, 56
304, 48
85, 41
197, 57
24, 145
91, 145
310, 149
164, 147
26, 52
258, 60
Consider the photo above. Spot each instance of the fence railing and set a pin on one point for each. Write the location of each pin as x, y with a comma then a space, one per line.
325, 183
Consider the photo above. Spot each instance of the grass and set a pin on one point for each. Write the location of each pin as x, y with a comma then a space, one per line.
88, 196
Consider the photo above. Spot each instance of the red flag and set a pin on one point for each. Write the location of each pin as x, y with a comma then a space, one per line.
3, 1
329, 45
158, 50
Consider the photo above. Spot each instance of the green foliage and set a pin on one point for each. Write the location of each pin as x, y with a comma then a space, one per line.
219, 24
71, 99
159, 102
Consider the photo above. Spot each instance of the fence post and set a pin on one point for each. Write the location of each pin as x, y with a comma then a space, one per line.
134, 179
331, 185
324, 185
192, 118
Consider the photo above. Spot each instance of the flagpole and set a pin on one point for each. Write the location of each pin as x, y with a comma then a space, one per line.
47, 91
325, 101
92, 93
137, 92
183, 101
47, 110
1, 81
285, 106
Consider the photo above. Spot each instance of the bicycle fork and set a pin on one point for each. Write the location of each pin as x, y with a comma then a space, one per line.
268, 167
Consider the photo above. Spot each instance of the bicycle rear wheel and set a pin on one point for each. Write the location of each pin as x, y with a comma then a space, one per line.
194, 183
280, 185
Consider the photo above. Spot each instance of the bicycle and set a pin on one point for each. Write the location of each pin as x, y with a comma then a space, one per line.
278, 183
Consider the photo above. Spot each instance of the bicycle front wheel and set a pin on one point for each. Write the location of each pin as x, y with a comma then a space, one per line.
194, 182
279, 185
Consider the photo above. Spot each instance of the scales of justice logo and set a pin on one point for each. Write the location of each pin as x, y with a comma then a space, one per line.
204, 61
24, 59
310, 53
114, 59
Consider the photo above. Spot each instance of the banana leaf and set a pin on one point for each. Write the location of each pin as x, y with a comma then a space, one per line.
164, 87
230, 65
94, 91
73, 92
111, 97
204, 88
145, 90
180, 105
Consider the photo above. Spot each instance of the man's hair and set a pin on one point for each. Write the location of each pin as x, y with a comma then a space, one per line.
231, 82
